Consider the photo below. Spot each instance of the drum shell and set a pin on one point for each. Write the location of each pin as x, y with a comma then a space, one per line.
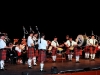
81, 40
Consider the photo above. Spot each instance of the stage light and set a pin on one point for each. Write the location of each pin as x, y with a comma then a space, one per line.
54, 70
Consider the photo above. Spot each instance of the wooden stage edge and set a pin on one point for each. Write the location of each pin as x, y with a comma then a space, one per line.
62, 66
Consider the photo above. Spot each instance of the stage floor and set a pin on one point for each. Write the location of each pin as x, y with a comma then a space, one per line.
61, 65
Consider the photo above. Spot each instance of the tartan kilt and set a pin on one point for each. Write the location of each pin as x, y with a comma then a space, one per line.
92, 50
54, 51
42, 55
30, 52
78, 52
36, 53
3, 54
86, 49
68, 51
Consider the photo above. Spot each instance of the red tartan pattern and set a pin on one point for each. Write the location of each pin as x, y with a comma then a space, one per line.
42, 55
36, 53
68, 51
78, 51
2, 54
86, 49
92, 50
54, 51
30, 52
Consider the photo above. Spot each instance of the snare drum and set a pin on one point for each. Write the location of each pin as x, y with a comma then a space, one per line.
59, 50
81, 40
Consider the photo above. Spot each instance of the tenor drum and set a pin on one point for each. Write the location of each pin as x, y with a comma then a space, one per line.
81, 40
59, 50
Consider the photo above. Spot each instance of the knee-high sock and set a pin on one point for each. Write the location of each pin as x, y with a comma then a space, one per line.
54, 58
34, 60
41, 66
1, 64
70, 56
93, 56
77, 58
29, 62
86, 55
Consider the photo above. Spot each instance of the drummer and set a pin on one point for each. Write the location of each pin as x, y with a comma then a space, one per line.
86, 49
70, 47
54, 45
93, 44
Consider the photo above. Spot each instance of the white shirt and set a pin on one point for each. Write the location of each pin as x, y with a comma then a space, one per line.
93, 41
35, 40
17, 49
88, 42
2, 44
55, 44
43, 44
69, 44
29, 41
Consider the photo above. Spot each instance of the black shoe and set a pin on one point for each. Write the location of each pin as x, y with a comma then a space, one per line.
42, 71
3, 69
53, 61
77, 62
29, 67
35, 65
92, 60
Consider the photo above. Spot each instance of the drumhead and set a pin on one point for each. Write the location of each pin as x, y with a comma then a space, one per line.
82, 41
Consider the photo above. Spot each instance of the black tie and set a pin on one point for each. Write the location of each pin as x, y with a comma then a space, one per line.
70, 43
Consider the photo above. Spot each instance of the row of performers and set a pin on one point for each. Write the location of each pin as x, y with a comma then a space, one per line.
37, 49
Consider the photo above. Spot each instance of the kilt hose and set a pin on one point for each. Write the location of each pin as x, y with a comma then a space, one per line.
2, 54
42, 55
30, 52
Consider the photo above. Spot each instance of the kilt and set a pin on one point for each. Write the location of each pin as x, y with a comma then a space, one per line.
68, 51
36, 53
92, 50
86, 49
78, 51
54, 51
42, 55
3, 54
30, 52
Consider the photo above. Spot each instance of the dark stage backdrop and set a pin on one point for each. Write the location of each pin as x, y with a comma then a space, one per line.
50, 31
52, 24
53, 20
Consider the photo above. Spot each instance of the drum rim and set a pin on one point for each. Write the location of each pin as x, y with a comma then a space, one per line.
82, 38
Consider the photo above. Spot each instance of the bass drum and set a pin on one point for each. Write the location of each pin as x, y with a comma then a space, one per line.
81, 40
